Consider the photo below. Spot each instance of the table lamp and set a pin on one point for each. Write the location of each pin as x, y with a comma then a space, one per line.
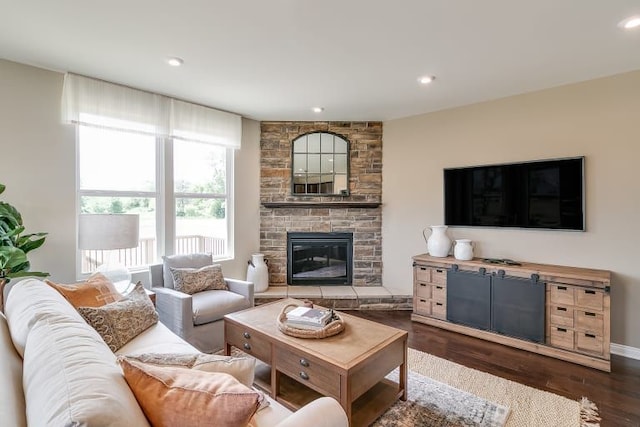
109, 232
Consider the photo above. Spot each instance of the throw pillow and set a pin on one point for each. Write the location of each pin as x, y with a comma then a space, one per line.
121, 321
96, 291
241, 368
182, 261
192, 280
171, 396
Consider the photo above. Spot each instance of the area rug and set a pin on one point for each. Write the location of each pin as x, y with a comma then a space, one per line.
443, 393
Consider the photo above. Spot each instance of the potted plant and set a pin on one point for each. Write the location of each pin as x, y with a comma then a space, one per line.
14, 246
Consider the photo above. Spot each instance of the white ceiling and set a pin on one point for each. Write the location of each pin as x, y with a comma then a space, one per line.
359, 59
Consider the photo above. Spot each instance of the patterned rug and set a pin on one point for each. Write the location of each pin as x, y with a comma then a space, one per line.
432, 403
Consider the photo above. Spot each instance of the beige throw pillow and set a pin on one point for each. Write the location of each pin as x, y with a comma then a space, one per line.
121, 321
96, 291
241, 368
171, 396
194, 280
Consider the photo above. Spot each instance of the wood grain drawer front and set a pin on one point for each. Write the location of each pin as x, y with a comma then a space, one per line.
589, 298
423, 290
561, 294
249, 342
562, 337
439, 276
423, 306
311, 372
561, 315
590, 343
590, 321
439, 310
439, 292
423, 274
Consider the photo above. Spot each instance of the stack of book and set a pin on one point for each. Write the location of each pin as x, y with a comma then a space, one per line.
309, 318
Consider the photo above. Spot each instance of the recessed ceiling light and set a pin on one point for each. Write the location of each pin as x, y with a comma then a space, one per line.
424, 80
175, 61
630, 22
317, 109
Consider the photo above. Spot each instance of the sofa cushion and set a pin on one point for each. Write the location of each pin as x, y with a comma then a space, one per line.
12, 406
71, 378
96, 291
209, 306
193, 280
121, 321
241, 368
182, 261
157, 339
172, 396
30, 300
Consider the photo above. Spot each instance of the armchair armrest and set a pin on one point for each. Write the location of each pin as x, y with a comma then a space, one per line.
175, 310
243, 288
322, 412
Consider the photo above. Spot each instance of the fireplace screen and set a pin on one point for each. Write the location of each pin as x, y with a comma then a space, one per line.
319, 258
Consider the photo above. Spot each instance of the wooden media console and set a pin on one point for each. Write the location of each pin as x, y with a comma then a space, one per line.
574, 306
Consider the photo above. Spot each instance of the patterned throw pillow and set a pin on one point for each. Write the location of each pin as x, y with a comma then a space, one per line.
241, 368
171, 396
96, 291
121, 321
193, 280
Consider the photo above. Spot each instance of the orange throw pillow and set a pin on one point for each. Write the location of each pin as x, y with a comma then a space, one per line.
171, 396
96, 291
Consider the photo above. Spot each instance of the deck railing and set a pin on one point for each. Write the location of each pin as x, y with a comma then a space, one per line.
145, 253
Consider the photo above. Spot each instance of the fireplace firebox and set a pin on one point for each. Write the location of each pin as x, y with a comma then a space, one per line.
319, 258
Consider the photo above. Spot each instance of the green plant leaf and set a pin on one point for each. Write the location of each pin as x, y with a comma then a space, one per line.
27, 274
10, 258
2, 187
31, 245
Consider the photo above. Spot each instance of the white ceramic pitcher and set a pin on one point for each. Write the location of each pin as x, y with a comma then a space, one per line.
463, 250
438, 244
258, 273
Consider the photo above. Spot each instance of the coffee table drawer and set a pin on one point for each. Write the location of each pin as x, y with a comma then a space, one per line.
309, 371
248, 341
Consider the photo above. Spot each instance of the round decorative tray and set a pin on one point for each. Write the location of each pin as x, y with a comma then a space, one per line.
332, 328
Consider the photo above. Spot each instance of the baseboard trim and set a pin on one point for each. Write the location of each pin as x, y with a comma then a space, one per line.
626, 351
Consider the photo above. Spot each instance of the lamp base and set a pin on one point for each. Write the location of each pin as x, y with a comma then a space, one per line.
119, 275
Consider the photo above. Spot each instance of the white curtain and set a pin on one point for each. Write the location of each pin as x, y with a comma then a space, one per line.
98, 103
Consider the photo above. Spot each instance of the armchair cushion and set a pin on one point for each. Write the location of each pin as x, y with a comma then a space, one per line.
193, 280
182, 261
209, 306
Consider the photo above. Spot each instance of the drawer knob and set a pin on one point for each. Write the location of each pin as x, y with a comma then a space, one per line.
247, 346
304, 375
304, 362
247, 335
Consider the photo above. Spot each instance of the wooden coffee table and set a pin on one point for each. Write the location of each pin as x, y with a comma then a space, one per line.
349, 367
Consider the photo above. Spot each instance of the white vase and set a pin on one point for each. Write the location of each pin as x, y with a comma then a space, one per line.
258, 273
438, 244
463, 250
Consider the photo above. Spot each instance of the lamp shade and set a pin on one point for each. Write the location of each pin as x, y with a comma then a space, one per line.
108, 231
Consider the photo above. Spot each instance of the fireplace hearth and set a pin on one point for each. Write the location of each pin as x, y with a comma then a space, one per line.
319, 258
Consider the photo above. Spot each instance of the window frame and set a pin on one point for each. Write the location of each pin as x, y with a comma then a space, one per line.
165, 199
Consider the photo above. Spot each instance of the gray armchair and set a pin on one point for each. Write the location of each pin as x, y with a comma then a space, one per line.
197, 318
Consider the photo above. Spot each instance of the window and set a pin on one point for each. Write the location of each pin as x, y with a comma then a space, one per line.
168, 161
118, 173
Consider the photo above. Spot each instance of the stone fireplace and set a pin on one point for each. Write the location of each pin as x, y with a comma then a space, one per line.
357, 213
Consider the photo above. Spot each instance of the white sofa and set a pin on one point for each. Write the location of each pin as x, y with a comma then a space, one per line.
57, 371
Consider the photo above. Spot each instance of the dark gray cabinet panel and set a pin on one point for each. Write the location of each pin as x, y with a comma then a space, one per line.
469, 299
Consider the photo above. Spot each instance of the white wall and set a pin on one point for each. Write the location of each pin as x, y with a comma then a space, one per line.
598, 119
37, 163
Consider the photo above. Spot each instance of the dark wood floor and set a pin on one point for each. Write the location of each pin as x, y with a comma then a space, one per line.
617, 394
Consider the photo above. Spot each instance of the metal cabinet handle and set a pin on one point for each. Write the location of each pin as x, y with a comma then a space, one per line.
247, 346
586, 313
304, 362
304, 375
247, 335
589, 335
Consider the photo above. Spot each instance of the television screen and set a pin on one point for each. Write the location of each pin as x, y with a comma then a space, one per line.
541, 194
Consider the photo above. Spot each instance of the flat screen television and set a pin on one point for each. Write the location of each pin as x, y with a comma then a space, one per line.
546, 194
